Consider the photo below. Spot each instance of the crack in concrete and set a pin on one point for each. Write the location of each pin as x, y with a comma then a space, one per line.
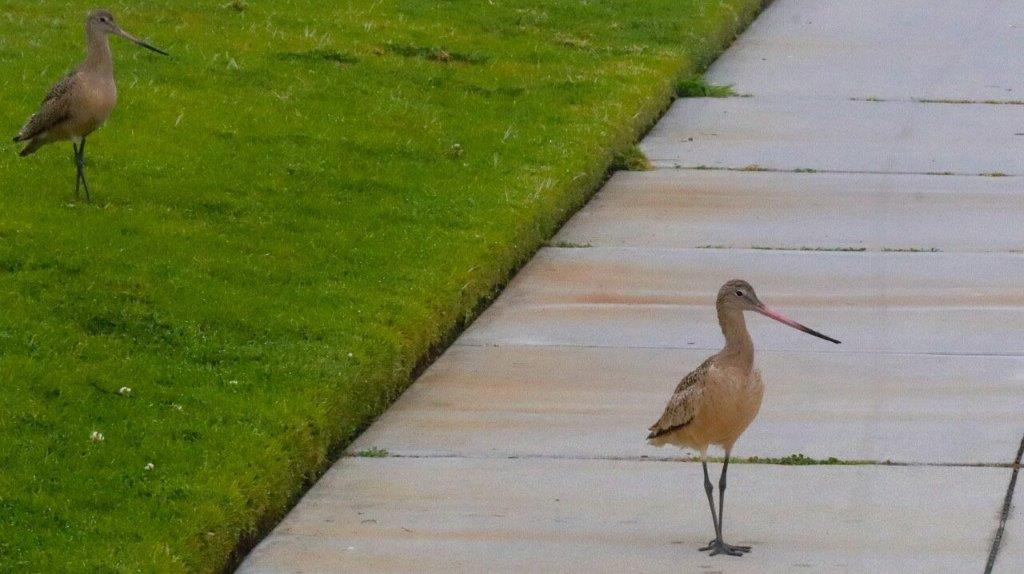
774, 461
986, 102
1005, 513
718, 348
895, 252
663, 164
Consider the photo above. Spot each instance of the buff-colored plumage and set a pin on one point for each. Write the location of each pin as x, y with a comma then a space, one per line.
81, 101
713, 405
75, 107
718, 400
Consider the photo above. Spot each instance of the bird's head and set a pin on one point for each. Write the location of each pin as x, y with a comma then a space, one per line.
738, 295
102, 22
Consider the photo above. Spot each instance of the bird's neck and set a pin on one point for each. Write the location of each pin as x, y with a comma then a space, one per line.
738, 345
97, 54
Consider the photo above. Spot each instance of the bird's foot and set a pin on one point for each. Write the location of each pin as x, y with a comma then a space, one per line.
717, 546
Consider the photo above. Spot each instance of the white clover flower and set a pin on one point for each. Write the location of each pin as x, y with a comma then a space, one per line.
124, 391
232, 382
149, 466
96, 436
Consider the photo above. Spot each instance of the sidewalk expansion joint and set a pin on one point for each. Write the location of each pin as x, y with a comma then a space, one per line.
967, 101
879, 100
894, 251
1005, 513
718, 348
850, 249
663, 165
792, 460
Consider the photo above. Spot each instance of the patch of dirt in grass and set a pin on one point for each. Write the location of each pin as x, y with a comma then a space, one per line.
319, 56
435, 54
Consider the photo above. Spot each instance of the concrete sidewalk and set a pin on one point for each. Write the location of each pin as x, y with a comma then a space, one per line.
522, 448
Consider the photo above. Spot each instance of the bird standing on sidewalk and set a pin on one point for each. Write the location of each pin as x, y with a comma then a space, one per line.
715, 403
81, 101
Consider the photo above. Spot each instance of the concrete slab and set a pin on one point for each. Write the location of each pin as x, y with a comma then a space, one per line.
691, 208
880, 48
1010, 559
828, 135
445, 515
891, 302
583, 402
580, 353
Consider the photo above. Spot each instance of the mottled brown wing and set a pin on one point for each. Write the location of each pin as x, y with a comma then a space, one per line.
682, 407
53, 110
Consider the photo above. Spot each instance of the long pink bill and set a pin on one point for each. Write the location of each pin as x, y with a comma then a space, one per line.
787, 321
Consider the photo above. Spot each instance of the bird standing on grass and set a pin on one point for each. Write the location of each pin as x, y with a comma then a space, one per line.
716, 402
82, 100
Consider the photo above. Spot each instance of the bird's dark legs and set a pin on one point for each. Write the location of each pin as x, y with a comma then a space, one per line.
711, 502
80, 167
719, 546
721, 510
78, 170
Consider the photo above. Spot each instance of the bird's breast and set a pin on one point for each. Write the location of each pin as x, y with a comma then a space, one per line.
98, 99
103, 97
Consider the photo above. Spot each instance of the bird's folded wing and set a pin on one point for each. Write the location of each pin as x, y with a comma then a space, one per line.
52, 112
683, 405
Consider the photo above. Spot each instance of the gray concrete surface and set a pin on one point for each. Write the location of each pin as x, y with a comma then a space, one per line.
839, 135
730, 209
522, 448
500, 515
889, 302
588, 402
881, 48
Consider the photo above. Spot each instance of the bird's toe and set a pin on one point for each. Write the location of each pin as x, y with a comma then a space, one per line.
719, 547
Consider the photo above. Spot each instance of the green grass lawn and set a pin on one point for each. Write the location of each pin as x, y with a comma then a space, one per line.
290, 214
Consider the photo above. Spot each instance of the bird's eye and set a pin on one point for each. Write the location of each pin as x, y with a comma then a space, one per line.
740, 293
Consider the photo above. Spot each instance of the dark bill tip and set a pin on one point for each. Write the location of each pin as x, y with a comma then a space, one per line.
151, 47
139, 41
787, 321
811, 331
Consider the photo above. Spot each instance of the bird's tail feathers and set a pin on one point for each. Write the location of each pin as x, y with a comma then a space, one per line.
33, 145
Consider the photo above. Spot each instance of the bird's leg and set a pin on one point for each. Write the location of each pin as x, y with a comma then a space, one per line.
711, 502
81, 169
719, 546
78, 170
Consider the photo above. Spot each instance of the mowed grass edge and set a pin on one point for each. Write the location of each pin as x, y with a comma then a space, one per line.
293, 212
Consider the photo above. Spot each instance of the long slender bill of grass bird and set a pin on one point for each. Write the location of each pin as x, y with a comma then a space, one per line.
82, 100
715, 403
